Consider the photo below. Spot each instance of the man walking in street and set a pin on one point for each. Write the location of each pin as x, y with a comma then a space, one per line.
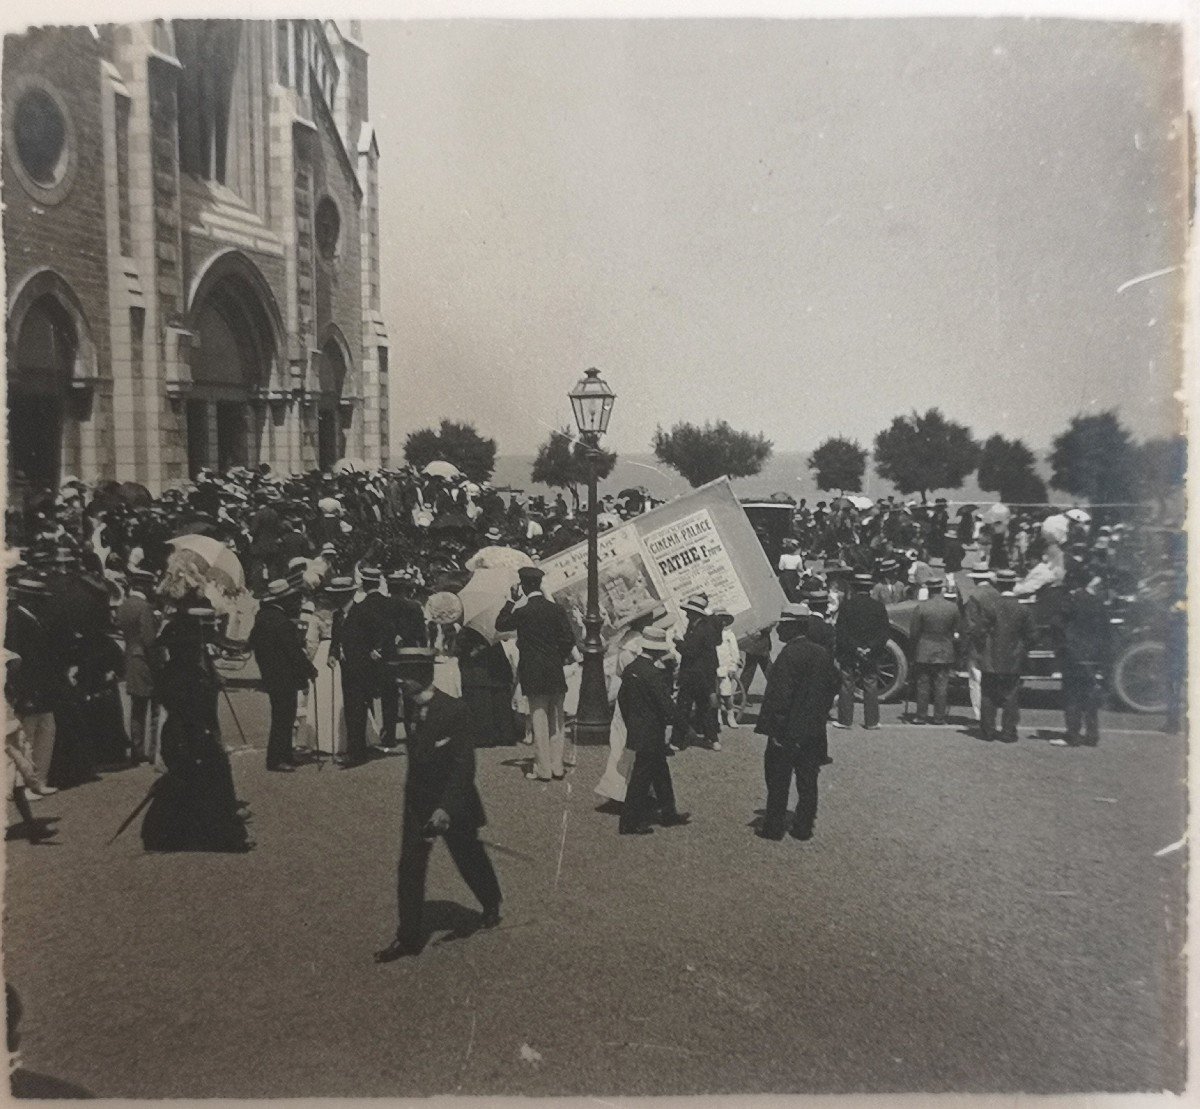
801, 686
1006, 638
1082, 636
861, 638
138, 624
440, 799
39, 684
545, 641
283, 665
934, 633
697, 649
646, 708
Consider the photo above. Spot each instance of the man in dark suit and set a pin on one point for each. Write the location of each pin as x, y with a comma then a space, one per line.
440, 799
407, 629
934, 631
646, 708
545, 641
361, 642
862, 633
816, 624
1008, 632
697, 649
137, 622
801, 686
1083, 638
283, 666
978, 605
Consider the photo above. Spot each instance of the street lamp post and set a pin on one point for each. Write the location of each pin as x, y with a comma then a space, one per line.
592, 402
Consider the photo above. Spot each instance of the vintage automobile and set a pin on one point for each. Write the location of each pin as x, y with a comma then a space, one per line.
1137, 677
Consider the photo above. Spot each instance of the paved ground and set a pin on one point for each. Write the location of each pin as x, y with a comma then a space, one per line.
969, 917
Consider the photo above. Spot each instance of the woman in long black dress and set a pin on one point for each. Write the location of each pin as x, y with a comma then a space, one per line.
487, 685
193, 806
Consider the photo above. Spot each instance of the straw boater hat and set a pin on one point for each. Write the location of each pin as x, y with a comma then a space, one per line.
338, 586
864, 581
279, 590
792, 612
654, 641
697, 602
370, 576
492, 535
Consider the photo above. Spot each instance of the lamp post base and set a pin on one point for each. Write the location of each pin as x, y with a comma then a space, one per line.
592, 718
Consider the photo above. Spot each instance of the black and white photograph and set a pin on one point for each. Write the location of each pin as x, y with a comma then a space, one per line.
596, 553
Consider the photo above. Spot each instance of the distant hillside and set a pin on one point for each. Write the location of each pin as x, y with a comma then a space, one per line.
787, 472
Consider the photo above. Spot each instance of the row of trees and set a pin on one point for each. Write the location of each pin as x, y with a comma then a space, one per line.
1095, 458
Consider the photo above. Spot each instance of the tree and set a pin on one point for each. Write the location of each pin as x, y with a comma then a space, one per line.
1161, 468
456, 443
1006, 467
840, 464
923, 452
562, 463
705, 453
1095, 459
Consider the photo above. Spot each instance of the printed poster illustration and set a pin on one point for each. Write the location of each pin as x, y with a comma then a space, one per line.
627, 586
690, 557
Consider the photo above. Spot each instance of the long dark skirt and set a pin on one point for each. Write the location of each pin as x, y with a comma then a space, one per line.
493, 722
106, 728
193, 806
71, 762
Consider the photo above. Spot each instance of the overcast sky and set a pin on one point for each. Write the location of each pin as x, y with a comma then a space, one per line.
804, 227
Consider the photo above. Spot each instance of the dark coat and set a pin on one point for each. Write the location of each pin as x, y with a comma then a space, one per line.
801, 686
935, 623
38, 683
138, 624
646, 705
1081, 628
698, 648
545, 641
279, 651
441, 767
980, 609
1009, 636
364, 627
862, 623
819, 630
408, 622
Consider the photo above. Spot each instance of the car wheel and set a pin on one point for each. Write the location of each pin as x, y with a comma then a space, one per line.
1139, 677
893, 672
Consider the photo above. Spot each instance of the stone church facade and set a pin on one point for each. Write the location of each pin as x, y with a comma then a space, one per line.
191, 251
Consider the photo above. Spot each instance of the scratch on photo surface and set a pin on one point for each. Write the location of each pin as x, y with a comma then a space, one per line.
562, 846
1170, 848
1146, 277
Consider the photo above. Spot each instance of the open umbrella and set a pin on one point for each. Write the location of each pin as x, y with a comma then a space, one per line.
860, 502
483, 597
440, 468
215, 561
967, 509
451, 521
997, 514
349, 466
498, 558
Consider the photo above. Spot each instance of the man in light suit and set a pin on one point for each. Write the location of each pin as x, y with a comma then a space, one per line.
934, 632
138, 624
545, 641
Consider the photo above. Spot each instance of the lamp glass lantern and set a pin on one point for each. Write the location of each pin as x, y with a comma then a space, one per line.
592, 401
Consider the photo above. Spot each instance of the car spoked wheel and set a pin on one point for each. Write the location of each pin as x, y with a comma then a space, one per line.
1139, 677
893, 673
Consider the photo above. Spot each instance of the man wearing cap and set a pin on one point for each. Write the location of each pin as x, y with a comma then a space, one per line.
697, 684
1007, 636
801, 686
646, 708
861, 638
361, 643
545, 641
138, 624
440, 799
283, 666
816, 625
934, 632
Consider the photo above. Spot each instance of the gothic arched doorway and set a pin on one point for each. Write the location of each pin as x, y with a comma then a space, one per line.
233, 354
42, 363
331, 374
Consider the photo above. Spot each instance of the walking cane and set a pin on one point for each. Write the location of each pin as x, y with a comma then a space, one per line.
316, 716
233, 713
133, 815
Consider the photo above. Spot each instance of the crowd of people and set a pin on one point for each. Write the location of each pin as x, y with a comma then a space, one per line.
356, 579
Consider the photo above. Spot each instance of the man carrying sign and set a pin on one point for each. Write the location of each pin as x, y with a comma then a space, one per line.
697, 649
